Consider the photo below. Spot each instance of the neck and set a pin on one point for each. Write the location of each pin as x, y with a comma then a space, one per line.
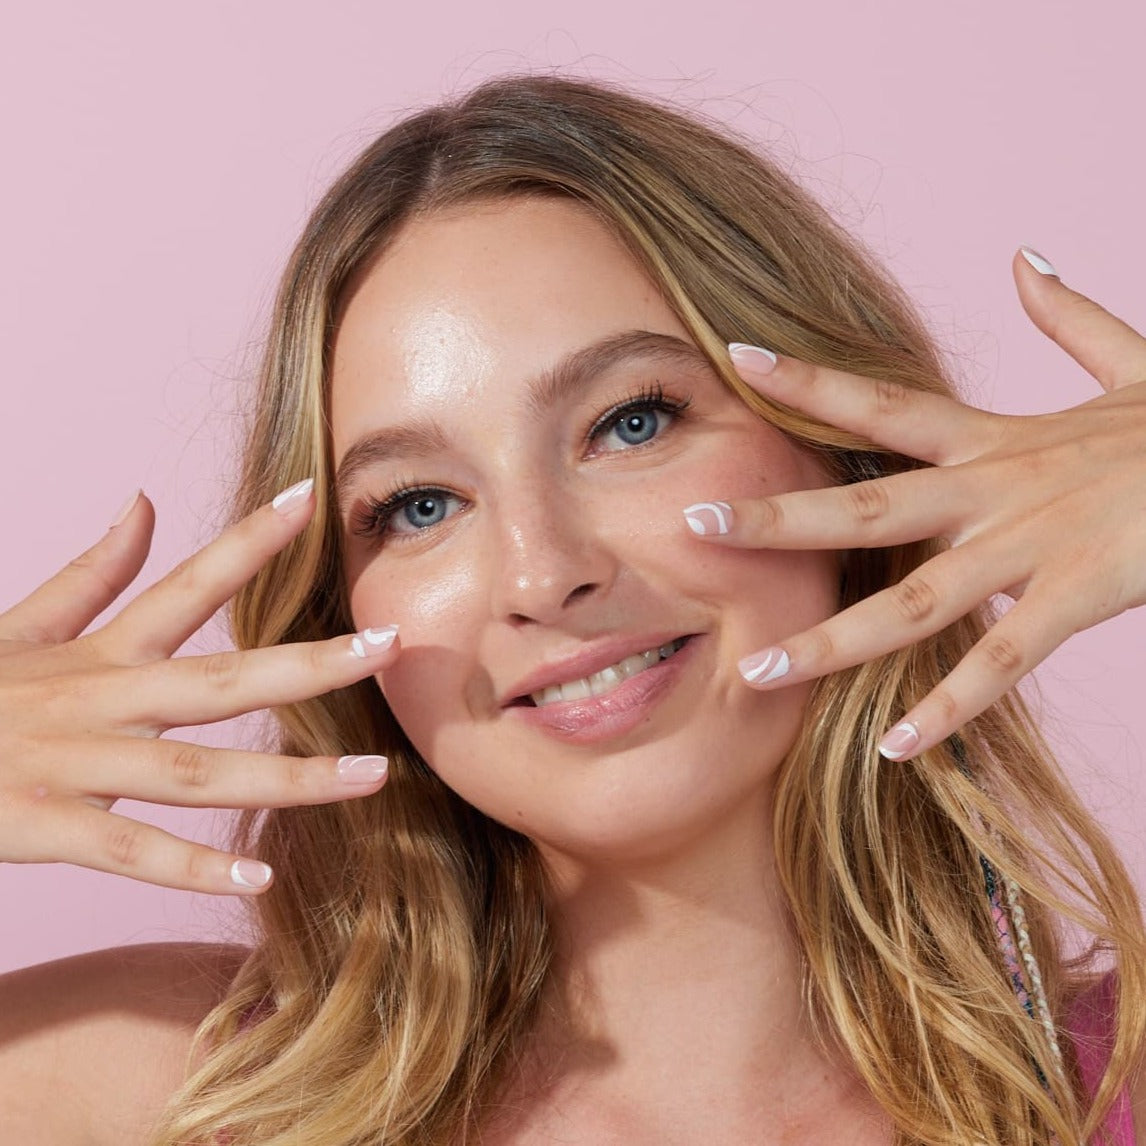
677, 989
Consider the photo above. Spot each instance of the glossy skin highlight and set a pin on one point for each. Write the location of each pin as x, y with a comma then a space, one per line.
550, 545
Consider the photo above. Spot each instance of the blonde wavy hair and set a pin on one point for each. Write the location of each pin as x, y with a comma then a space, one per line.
405, 943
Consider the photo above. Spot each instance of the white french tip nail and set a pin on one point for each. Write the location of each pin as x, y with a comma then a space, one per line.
749, 355
293, 494
900, 741
721, 512
250, 873
1043, 266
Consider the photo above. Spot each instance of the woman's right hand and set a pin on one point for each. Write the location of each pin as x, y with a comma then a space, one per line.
81, 716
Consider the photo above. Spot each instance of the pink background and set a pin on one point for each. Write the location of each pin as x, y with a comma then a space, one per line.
160, 159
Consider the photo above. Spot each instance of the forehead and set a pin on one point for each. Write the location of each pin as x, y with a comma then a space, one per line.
482, 295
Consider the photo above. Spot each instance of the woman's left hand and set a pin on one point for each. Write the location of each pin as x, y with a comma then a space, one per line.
1049, 509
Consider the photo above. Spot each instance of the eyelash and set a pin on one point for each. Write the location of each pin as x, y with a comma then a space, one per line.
374, 516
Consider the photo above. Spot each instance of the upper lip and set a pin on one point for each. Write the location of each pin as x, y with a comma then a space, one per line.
587, 660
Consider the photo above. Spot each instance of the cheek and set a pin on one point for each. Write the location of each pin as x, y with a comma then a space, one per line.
438, 626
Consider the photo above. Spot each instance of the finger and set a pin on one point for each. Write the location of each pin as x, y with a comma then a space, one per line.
931, 597
930, 427
887, 511
1022, 639
64, 606
186, 775
201, 690
1103, 345
159, 620
69, 831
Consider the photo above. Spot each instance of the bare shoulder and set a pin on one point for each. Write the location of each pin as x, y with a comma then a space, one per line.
93, 1045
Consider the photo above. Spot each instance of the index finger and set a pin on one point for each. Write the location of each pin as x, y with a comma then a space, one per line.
929, 427
892, 510
161, 618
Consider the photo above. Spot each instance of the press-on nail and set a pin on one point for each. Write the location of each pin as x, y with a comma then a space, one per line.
1043, 266
372, 641
765, 666
361, 769
709, 517
250, 873
292, 495
900, 741
754, 358
126, 509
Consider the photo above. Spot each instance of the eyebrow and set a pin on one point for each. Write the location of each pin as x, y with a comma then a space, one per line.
424, 437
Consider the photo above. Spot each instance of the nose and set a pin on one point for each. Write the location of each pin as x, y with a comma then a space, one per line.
549, 556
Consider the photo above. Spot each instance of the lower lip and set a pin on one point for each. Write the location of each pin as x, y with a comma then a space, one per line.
614, 713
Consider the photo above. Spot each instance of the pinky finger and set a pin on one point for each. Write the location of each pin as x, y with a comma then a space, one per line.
119, 845
996, 663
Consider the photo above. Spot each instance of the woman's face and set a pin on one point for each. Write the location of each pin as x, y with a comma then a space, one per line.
518, 420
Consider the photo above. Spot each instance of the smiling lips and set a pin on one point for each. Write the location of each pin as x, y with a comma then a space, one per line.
605, 681
606, 702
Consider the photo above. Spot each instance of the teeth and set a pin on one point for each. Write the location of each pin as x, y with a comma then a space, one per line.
608, 678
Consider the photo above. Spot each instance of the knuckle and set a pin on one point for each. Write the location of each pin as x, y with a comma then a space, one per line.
221, 670
945, 707
914, 598
769, 516
184, 577
818, 649
869, 500
197, 866
298, 772
890, 397
191, 767
124, 845
1002, 655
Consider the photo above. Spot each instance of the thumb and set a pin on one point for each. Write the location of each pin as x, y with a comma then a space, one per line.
1103, 345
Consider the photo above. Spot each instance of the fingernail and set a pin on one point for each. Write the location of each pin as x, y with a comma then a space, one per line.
1043, 266
128, 506
361, 769
761, 667
370, 642
250, 873
899, 742
754, 358
293, 495
720, 522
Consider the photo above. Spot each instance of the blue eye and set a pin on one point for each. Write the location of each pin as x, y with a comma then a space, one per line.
406, 511
639, 426
420, 509
637, 422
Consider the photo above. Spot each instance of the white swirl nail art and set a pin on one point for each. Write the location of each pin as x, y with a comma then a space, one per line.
378, 639
771, 669
720, 510
293, 493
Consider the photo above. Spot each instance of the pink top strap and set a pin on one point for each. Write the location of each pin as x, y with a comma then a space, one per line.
1090, 1024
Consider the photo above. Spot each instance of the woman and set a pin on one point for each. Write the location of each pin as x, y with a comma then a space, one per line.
615, 889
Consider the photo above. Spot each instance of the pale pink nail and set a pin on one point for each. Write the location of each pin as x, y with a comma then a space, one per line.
293, 495
1042, 265
361, 769
901, 741
764, 666
125, 511
371, 642
709, 517
250, 873
754, 358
